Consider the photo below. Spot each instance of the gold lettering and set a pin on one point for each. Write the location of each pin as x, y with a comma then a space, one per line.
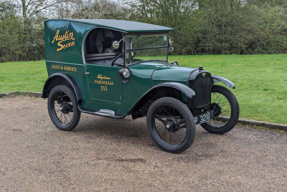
55, 66
104, 88
66, 68
100, 82
100, 76
62, 38
56, 36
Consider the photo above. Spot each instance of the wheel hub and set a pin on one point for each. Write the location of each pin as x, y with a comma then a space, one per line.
171, 125
65, 107
216, 109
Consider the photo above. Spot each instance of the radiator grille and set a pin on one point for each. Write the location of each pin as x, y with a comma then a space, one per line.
203, 89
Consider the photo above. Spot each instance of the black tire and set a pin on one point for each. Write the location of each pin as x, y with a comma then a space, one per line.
171, 113
226, 118
63, 97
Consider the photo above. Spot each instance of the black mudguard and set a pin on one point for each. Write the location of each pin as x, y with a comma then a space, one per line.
188, 92
57, 79
223, 80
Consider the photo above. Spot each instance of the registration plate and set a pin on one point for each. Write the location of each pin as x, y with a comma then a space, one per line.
206, 117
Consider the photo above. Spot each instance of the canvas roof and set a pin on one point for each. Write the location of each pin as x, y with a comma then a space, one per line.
121, 25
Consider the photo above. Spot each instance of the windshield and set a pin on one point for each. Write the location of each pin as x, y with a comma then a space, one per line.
146, 47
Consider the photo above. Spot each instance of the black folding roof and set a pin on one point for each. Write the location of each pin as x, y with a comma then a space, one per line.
122, 25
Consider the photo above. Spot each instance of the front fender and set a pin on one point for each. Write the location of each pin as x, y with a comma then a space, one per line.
188, 92
223, 80
183, 89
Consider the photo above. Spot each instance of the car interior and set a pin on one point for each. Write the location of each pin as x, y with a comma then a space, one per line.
99, 49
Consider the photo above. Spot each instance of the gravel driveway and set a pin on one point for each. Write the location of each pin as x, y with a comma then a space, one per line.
104, 154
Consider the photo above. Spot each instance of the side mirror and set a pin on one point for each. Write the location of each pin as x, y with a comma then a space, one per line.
170, 42
125, 73
170, 49
116, 44
173, 63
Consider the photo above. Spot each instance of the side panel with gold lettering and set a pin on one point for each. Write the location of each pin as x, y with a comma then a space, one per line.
104, 82
63, 40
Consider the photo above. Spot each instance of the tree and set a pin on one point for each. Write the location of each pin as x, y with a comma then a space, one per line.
269, 2
171, 13
30, 8
166, 12
9, 27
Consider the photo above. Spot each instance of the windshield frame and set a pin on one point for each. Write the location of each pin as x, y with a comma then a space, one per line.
145, 34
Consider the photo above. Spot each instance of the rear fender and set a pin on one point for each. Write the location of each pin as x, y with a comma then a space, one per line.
61, 79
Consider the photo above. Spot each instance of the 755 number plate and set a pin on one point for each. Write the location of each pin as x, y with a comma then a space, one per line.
206, 117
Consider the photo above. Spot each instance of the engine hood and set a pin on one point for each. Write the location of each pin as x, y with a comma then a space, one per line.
157, 72
145, 68
171, 73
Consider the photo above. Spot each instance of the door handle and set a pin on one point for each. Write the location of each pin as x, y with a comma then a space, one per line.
87, 73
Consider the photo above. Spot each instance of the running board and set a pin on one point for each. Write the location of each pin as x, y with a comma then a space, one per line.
102, 112
105, 112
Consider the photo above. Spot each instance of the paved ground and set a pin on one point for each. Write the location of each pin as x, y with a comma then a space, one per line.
110, 155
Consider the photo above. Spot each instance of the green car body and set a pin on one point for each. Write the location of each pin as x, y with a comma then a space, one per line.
69, 63
105, 63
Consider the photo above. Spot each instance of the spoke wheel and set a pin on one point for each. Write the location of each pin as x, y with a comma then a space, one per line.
171, 125
62, 107
226, 111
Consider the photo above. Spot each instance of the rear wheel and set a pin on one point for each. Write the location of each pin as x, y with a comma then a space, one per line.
226, 111
63, 108
171, 125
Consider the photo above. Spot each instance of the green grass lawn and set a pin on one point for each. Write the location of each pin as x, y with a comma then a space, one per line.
23, 76
260, 80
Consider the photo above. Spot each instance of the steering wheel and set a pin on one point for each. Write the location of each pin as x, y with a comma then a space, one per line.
113, 62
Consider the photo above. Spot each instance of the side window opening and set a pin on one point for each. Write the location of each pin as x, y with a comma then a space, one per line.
99, 46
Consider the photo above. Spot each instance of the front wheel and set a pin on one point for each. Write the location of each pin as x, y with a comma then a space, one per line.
226, 111
171, 125
63, 108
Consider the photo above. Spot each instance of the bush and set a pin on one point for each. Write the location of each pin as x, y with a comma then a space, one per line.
201, 27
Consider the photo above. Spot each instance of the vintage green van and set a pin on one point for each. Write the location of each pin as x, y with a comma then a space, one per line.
115, 68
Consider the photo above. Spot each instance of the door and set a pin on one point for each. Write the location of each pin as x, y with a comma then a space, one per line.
104, 82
